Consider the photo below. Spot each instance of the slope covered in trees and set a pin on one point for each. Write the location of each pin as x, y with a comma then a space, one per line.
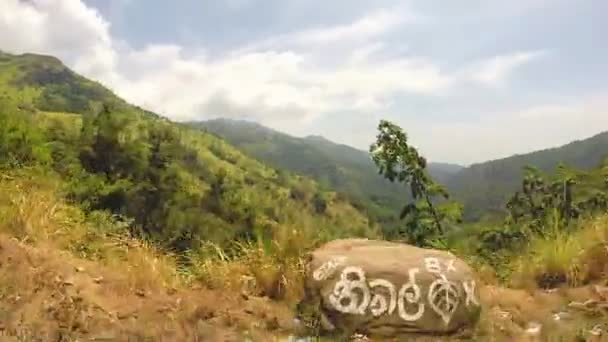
484, 188
180, 187
346, 169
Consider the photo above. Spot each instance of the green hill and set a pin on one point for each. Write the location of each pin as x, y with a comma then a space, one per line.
484, 188
336, 166
173, 184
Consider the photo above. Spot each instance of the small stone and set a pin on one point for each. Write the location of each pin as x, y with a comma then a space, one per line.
122, 315
596, 331
560, 316
68, 282
107, 336
98, 280
359, 338
533, 329
140, 293
125, 315
79, 269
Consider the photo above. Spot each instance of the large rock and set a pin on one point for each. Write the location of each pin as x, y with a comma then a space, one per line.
390, 289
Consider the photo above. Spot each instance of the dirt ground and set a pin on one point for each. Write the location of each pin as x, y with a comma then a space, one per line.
47, 295
50, 296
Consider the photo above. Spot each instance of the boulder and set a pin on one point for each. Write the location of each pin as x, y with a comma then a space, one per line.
381, 288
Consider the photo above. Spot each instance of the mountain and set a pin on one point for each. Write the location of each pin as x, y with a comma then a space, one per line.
485, 187
337, 166
179, 186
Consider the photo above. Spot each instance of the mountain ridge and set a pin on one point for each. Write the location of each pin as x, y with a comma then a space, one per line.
338, 166
180, 185
486, 186
482, 186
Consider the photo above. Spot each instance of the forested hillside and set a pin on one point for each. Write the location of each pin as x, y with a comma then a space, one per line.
346, 169
178, 186
94, 187
484, 188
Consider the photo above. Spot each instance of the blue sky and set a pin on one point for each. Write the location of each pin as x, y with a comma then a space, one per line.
469, 80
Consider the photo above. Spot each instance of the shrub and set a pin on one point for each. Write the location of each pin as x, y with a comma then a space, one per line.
574, 258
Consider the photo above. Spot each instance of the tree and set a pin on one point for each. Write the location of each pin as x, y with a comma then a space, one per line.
401, 162
543, 198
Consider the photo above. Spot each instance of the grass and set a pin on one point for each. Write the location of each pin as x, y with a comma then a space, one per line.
31, 212
274, 269
572, 258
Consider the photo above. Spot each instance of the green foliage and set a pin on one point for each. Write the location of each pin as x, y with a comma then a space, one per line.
554, 200
347, 170
175, 186
21, 142
485, 188
544, 213
401, 162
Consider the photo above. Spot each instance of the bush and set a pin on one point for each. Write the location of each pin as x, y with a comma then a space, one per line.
565, 258
22, 143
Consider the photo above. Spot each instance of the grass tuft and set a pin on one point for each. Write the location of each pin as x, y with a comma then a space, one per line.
565, 258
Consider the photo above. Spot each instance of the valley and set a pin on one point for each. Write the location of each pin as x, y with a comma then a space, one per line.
117, 223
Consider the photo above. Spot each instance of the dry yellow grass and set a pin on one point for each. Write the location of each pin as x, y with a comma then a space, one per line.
31, 211
274, 270
572, 258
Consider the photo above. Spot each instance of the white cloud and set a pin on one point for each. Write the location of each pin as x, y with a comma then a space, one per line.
495, 71
64, 28
281, 82
258, 83
369, 26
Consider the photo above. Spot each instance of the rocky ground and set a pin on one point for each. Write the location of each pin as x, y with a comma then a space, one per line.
47, 295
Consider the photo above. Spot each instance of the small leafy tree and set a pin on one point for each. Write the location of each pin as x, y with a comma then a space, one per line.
542, 199
425, 221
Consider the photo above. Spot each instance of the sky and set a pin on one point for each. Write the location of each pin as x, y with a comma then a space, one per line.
468, 80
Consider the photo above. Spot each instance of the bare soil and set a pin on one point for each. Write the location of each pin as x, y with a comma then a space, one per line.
48, 295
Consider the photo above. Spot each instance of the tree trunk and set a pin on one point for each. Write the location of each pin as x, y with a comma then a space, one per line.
434, 212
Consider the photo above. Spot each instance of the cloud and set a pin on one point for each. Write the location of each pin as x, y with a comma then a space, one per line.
496, 71
258, 83
362, 29
68, 29
286, 81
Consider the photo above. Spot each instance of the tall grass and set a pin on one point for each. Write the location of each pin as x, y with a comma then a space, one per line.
565, 257
266, 267
31, 211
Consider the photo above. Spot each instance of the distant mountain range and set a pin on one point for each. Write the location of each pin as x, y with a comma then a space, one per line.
483, 188
341, 167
